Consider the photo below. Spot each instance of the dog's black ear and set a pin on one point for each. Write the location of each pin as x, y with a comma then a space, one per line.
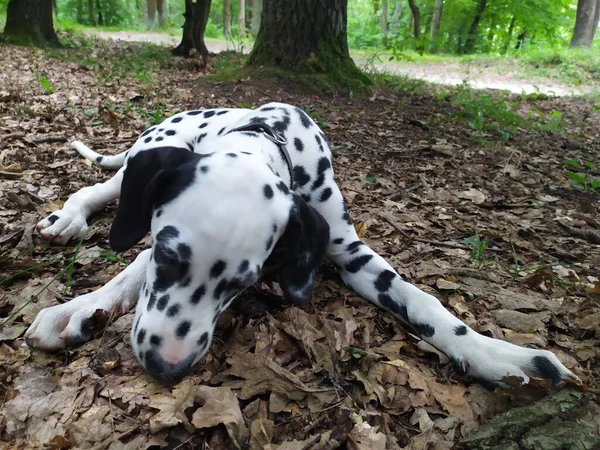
152, 177
306, 238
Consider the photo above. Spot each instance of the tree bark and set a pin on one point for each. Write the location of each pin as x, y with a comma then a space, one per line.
242, 19
395, 22
30, 21
435, 25
508, 38
196, 16
99, 12
161, 8
586, 23
384, 21
416, 22
227, 18
256, 14
151, 22
472, 36
91, 14
306, 36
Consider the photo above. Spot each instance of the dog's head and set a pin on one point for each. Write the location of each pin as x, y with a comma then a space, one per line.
214, 221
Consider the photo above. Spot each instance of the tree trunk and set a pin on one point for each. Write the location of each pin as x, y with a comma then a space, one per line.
586, 23
521, 40
91, 14
305, 36
161, 8
384, 21
30, 21
435, 25
472, 36
416, 22
196, 16
508, 38
242, 19
151, 22
99, 11
227, 18
256, 13
395, 22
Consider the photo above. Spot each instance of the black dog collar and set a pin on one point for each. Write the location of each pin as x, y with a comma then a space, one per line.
275, 137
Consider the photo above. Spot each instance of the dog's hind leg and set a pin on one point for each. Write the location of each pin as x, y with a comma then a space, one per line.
68, 325
373, 278
71, 221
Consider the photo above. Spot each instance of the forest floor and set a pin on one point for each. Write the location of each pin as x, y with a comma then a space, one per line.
478, 74
428, 178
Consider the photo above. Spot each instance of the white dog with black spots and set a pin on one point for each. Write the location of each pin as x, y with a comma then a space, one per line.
223, 199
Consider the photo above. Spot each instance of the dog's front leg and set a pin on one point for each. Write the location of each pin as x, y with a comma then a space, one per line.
71, 221
67, 325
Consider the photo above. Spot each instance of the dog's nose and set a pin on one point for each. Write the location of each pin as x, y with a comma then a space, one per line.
164, 371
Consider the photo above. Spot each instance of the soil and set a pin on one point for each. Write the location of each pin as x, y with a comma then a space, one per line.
422, 186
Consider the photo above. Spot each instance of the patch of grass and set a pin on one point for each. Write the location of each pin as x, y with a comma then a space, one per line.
582, 175
478, 244
572, 65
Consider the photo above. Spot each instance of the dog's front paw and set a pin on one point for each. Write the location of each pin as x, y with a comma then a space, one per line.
62, 226
72, 323
502, 363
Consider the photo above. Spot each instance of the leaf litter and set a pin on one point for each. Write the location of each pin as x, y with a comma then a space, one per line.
340, 373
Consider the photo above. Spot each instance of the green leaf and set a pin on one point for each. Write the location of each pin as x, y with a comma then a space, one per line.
356, 352
372, 178
577, 177
571, 163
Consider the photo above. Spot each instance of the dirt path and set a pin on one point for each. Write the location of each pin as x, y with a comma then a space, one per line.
479, 77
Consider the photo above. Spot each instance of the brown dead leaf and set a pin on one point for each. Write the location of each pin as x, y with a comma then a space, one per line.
518, 321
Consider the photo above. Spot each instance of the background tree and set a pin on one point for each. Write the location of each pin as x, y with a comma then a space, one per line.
306, 36
227, 18
416, 24
30, 20
586, 23
435, 25
196, 16
472, 34
242, 19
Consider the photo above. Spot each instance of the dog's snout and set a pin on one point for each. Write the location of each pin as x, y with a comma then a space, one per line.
164, 371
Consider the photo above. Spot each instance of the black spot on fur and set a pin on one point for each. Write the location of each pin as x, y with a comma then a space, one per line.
193, 113
388, 303
53, 218
318, 182
200, 137
460, 330
243, 266
224, 111
325, 194
268, 191
160, 138
246, 153
267, 108
384, 280
99, 159
338, 241
346, 216
140, 337
358, 263
203, 125
151, 301
306, 122
298, 144
217, 269
353, 247
323, 165
305, 197
232, 155
423, 329
170, 132
171, 266
204, 169
162, 302
173, 310
220, 288
159, 213
282, 125
149, 130
203, 340
137, 323
198, 294
544, 368
190, 147
209, 114
300, 176
269, 243
148, 139
221, 131
319, 143
183, 329
282, 187
176, 120
155, 340
186, 281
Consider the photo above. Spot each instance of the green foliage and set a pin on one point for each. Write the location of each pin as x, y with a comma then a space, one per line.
46, 84
582, 175
478, 244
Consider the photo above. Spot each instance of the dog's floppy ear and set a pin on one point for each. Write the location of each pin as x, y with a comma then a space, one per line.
152, 178
306, 238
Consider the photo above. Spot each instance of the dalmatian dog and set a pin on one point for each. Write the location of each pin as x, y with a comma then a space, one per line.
226, 193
